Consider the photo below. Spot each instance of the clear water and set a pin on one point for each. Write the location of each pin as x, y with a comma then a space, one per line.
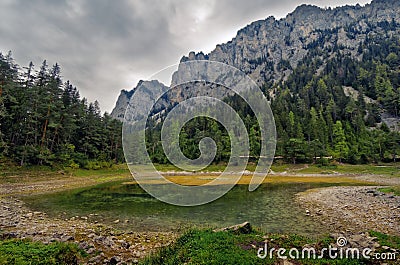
271, 208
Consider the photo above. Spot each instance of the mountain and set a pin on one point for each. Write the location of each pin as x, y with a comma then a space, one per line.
269, 50
332, 77
122, 102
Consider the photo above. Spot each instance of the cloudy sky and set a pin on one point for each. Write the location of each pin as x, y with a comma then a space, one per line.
104, 46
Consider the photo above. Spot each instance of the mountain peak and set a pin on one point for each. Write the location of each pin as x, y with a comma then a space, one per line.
194, 56
268, 50
305, 8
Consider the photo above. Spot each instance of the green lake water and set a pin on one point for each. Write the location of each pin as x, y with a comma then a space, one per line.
271, 208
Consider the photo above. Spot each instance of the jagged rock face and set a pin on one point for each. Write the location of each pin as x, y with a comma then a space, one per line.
147, 86
262, 47
123, 99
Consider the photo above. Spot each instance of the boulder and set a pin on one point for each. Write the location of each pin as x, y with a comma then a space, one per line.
244, 228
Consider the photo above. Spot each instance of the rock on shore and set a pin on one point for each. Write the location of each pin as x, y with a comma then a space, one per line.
353, 209
104, 244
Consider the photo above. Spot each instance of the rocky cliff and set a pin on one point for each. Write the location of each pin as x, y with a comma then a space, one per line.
268, 50
122, 102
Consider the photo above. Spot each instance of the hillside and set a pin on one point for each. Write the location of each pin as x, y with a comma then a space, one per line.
332, 76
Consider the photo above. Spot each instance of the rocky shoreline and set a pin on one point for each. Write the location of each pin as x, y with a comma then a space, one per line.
353, 209
349, 211
104, 244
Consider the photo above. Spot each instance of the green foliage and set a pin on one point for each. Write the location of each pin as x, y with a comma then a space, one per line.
296, 150
207, 247
341, 148
28, 252
315, 120
386, 240
43, 121
391, 190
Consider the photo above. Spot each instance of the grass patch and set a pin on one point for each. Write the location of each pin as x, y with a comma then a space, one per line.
40, 173
30, 171
386, 240
121, 169
15, 173
167, 167
207, 247
386, 169
211, 168
395, 190
191, 180
27, 252
389, 169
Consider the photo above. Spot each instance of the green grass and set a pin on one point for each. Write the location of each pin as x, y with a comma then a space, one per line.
387, 240
392, 169
166, 167
15, 174
391, 190
31, 170
207, 247
120, 169
211, 168
23, 252
388, 169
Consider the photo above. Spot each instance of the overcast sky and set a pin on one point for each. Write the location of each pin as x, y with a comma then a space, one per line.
105, 46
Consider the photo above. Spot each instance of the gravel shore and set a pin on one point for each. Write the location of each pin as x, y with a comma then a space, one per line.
353, 209
104, 244
346, 210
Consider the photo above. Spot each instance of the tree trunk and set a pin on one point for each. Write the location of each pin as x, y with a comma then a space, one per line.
56, 133
46, 122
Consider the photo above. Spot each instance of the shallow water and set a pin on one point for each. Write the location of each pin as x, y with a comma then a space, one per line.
271, 207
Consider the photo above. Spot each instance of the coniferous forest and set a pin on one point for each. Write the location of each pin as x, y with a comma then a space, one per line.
316, 120
44, 121
322, 121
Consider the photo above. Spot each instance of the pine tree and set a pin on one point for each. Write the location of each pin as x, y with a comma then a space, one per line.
341, 148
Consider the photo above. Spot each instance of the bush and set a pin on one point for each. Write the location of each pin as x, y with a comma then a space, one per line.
73, 165
94, 164
323, 162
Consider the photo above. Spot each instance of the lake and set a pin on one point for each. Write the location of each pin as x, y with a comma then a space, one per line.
271, 208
